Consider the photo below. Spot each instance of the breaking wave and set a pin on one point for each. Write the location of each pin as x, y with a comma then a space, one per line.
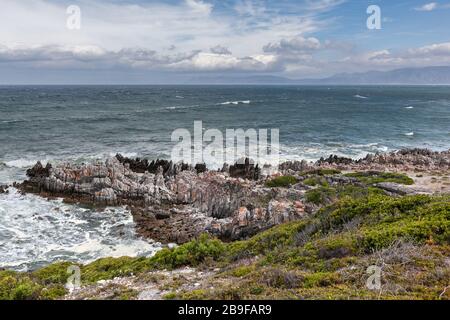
35, 232
226, 103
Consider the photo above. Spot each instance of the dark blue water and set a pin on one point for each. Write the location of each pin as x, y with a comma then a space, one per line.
81, 123
93, 121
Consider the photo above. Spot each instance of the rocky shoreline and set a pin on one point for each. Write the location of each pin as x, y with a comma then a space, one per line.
174, 203
309, 231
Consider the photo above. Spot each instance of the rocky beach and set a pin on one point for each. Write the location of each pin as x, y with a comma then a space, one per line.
221, 224
174, 203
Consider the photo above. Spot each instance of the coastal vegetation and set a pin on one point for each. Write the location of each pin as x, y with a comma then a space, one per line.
324, 256
281, 182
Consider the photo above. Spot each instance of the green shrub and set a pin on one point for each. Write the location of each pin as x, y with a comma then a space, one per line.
372, 177
198, 294
109, 268
242, 271
315, 181
320, 195
18, 287
55, 273
192, 253
281, 182
53, 292
170, 296
321, 279
266, 241
321, 172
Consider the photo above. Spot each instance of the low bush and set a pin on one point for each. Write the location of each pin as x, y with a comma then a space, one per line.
281, 182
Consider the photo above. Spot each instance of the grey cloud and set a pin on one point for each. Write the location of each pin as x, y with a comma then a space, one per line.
220, 50
295, 45
91, 56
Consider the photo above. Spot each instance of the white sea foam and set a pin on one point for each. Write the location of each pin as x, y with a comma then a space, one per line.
34, 232
314, 151
235, 102
409, 134
182, 107
410, 107
359, 96
25, 162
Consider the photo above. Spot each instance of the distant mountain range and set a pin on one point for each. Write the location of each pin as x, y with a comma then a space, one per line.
406, 76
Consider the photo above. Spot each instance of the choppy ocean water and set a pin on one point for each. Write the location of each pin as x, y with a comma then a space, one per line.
81, 123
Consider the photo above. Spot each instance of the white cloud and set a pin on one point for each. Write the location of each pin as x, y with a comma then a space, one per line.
156, 25
324, 5
200, 6
433, 50
427, 7
430, 55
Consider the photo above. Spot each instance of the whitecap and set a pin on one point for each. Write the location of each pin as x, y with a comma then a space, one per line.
235, 102
359, 96
24, 163
410, 107
409, 134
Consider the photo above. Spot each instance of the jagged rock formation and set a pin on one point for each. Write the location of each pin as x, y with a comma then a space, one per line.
246, 170
143, 165
171, 207
175, 202
403, 160
408, 159
334, 159
39, 171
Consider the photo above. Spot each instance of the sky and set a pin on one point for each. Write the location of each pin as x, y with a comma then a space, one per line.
155, 41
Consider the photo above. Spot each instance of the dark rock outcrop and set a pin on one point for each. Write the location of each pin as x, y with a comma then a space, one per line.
143, 165
334, 159
3, 189
39, 171
245, 170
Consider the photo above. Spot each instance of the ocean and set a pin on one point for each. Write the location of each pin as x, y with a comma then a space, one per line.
83, 123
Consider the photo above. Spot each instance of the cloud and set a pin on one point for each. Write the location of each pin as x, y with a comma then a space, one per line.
323, 5
427, 7
429, 55
298, 44
259, 36
433, 50
136, 58
250, 8
220, 50
200, 6
158, 25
